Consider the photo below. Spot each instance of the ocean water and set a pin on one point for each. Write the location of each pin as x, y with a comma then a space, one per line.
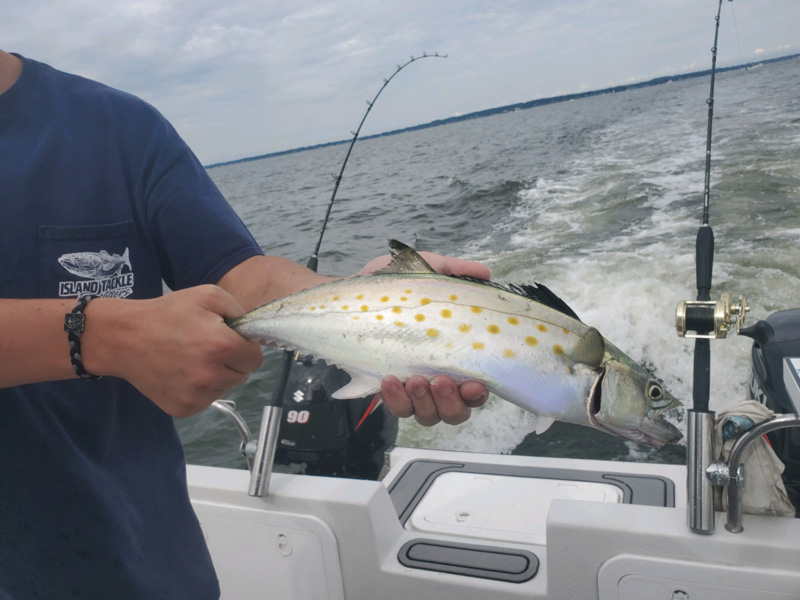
600, 199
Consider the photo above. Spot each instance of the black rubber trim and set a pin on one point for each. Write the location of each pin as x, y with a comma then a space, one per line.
471, 560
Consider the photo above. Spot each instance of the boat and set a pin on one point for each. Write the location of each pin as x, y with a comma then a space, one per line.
455, 525
449, 525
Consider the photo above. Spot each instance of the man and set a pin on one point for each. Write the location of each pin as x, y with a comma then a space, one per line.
103, 200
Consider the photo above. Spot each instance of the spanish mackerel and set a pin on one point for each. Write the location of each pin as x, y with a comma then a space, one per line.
522, 342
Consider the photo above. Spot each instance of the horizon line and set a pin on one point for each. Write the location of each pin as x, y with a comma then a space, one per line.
509, 108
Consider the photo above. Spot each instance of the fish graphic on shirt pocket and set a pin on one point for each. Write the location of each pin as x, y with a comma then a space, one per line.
101, 273
95, 265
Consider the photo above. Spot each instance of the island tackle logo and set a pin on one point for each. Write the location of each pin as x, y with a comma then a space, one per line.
102, 272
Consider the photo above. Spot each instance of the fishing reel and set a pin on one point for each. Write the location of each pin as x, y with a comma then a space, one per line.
709, 319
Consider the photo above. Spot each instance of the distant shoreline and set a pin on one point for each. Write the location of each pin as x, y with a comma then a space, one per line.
511, 108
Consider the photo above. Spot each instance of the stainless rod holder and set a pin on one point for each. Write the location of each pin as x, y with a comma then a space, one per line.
228, 408
265, 450
700, 492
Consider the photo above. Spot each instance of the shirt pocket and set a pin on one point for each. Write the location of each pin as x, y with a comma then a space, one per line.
89, 259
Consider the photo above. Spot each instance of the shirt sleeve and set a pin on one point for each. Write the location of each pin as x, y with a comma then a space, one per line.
200, 237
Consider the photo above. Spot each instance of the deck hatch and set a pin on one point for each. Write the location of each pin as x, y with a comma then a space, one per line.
410, 487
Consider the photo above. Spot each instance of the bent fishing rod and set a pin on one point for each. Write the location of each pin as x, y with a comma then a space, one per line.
273, 409
704, 320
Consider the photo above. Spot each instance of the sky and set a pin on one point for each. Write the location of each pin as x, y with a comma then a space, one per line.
245, 78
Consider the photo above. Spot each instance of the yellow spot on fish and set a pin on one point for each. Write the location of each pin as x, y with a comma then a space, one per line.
446, 314
464, 328
433, 333
345, 307
513, 320
379, 317
408, 291
335, 298
493, 329
355, 318
541, 327
477, 345
397, 310
558, 350
403, 298
360, 297
313, 308
448, 345
419, 318
565, 330
453, 297
321, 306
364, 308
425, 301
531, 341
476, 309
399, 323
385, 299
508, 353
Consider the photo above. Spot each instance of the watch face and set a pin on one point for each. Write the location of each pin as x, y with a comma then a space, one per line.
74, 322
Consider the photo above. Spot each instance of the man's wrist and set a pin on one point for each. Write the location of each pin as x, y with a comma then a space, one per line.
74, 325
99, 328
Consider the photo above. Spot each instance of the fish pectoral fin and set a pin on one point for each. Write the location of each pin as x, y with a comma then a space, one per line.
543, 424
590, 349
361, 385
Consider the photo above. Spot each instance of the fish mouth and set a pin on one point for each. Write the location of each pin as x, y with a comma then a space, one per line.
595, 404
595, 398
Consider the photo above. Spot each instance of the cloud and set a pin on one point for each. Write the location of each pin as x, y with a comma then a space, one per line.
241, 77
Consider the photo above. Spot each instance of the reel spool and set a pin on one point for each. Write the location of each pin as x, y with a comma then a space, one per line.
709, 319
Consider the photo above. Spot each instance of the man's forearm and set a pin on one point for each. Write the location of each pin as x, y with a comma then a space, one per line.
33, 345
261, 279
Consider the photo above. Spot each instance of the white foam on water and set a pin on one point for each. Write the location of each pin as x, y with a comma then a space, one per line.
497, 427
608, 220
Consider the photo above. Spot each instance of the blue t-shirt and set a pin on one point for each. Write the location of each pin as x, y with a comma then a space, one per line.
99, 195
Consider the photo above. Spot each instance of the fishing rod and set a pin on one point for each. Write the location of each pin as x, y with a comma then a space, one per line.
273, 409
313, 261
706, 320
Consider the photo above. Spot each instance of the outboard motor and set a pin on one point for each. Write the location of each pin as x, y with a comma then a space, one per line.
776, 337
334, 438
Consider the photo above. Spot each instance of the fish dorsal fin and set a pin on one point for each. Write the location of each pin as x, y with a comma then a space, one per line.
544, 295
538, 292
590, 350
405, 260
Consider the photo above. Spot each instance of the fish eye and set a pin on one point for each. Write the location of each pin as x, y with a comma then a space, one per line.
655, 392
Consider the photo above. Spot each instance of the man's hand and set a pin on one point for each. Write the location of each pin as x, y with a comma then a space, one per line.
446, 265
430, 402
440, 399
176, 349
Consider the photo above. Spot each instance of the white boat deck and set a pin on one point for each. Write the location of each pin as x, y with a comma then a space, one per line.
465, 530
